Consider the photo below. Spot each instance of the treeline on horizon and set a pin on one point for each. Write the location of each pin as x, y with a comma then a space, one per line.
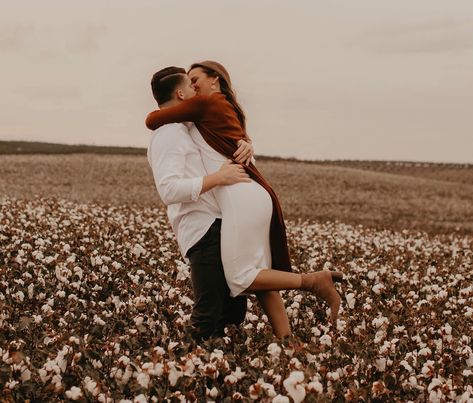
34, 147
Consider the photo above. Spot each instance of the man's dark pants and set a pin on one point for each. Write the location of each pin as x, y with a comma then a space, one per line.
213, 306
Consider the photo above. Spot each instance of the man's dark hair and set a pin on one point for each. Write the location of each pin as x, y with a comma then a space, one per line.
164, 83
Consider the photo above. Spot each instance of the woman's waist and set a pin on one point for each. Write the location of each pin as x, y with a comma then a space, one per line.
248, 193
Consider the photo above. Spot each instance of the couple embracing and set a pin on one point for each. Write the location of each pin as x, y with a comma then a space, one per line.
226, 217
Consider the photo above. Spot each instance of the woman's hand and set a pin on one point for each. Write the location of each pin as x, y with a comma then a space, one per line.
244, 153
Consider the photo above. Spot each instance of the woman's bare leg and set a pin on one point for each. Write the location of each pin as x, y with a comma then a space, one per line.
273, 307
320, 283
274, 280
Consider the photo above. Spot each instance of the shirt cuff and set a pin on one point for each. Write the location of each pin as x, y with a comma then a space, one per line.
197, 184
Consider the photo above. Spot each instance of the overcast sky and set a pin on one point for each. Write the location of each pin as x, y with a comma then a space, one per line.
365, 79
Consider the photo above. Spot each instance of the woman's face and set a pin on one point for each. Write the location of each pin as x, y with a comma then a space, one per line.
201, 82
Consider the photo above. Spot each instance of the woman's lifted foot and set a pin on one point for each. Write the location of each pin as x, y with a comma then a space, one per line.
321, 284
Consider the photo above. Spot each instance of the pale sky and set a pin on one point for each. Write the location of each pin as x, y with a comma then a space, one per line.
364, 79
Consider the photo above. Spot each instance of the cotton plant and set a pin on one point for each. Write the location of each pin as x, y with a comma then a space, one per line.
94, 300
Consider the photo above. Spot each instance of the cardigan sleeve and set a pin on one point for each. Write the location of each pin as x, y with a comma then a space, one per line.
189, 110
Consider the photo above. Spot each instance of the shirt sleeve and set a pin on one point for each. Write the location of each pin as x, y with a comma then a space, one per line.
167, 157
189, 110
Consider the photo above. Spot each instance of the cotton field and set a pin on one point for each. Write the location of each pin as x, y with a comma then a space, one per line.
94, 301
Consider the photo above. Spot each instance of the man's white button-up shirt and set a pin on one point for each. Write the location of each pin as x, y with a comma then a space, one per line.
178, 174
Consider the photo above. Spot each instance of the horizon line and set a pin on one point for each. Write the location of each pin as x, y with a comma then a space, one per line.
114, 149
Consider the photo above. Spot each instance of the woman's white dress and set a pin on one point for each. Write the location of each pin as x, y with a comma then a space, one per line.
246, 216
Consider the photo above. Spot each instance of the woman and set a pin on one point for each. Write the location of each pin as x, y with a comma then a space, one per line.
253, 237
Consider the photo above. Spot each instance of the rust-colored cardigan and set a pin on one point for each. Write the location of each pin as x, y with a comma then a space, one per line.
218, 123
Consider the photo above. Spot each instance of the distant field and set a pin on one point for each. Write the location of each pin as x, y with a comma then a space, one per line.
428, 198
462, 173
31, 147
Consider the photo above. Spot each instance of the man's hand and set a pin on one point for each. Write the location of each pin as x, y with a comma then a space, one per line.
231, 173
244, 153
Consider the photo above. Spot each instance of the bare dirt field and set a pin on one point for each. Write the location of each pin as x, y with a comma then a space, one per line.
430, 197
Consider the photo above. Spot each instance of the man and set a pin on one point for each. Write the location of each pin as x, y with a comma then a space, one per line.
186, 189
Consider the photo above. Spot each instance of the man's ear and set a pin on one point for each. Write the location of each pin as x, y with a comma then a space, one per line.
180, 95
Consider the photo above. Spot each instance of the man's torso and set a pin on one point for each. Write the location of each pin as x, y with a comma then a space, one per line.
189, 220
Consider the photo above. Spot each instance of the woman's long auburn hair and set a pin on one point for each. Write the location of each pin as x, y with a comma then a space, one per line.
227, 91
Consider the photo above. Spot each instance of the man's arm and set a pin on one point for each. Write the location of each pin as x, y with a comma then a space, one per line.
228, 174
167, 159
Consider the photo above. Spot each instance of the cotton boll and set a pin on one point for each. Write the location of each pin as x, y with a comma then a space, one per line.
406, 365
280, 399
469, 361
74, 393
428, 369
91, 386
257, 363
231, 379
380, 321
238, 373
378, 288
341, 325
98, 320
213, 393
19, 296
143, 379
333, 376
350, 300
172, 345
295, 363
448, 329
125, 360
11, 384
138, 250
326, 340
174, 375
315, 331
274, 350
315, 386
255, 391
425, 351
294, 386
